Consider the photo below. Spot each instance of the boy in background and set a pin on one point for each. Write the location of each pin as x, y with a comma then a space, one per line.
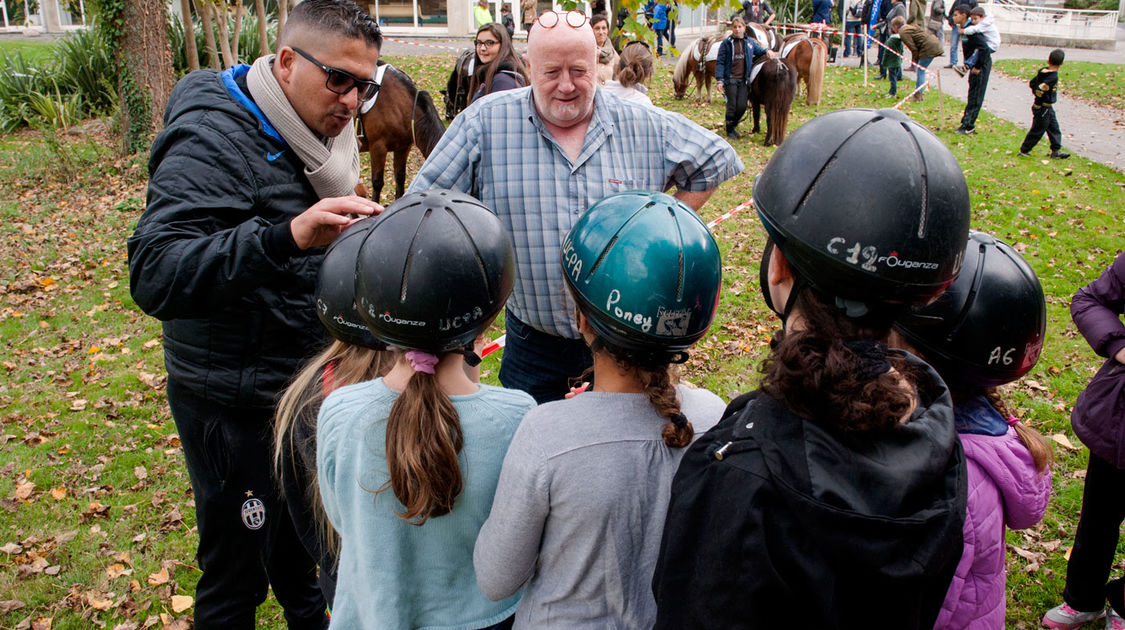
983, 36
1044, 85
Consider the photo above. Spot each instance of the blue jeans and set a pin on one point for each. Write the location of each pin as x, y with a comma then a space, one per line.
540, 364
954, 42
920, 78
894, 75
852, 34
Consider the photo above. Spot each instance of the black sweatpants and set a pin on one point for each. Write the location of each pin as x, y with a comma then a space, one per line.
1042, 121
737, 93
247, 542
1095, 540
978, 83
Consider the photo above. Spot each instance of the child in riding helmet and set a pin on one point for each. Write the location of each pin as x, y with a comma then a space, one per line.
984, 331
408, 463
353, 357
836, 492
579, 509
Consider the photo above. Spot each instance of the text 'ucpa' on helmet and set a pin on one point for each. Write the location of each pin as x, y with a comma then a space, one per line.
868, 206
434, 271
645, 270
987, 328
335, 288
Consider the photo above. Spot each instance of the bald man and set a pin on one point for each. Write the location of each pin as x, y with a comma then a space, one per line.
250, 178
539, 157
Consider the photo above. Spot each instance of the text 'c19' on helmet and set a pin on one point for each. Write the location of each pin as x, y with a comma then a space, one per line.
987, 328
335, 288
868, 206
434, 271
645, 270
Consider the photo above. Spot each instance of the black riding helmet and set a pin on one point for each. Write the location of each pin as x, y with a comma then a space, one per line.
433, 272
335, 289
868, 206
987, 328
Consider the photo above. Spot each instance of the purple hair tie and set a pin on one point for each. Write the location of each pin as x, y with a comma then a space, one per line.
1012, 420
422, 361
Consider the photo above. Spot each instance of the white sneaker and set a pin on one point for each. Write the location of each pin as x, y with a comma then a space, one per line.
1063, 617
1113, 621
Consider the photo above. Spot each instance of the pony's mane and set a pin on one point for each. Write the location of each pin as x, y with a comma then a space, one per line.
683, 68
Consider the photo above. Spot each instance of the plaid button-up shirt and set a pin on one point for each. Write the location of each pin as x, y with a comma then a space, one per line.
500, 151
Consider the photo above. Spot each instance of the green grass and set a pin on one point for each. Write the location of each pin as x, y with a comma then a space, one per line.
123, 509
1097, 83
36, 52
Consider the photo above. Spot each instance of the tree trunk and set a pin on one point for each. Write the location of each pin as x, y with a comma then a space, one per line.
239, 11
145, 71
189, 36
263, 24
221, 16
205, 12
284, 15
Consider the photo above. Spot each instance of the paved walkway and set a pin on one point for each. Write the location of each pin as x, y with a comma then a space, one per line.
1095, 133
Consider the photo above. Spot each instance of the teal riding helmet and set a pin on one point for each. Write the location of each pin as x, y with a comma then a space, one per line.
645, 270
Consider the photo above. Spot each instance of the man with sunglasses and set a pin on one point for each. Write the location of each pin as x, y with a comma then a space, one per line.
250, 179
540, 156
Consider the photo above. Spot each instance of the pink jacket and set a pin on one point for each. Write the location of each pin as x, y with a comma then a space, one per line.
1004, 489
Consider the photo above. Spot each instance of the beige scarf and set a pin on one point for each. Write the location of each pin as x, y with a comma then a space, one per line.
332, 166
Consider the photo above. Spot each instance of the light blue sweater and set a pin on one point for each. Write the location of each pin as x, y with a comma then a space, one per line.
393, 574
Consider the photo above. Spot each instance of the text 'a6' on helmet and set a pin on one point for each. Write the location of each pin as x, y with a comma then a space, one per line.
335, 288
433, 271
987, 328
646, 271
868, 206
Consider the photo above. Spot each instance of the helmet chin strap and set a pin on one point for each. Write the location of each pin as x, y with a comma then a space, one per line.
471, 358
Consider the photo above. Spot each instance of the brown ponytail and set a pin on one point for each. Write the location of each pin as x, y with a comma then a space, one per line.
836, 371
423, 440
1036, 444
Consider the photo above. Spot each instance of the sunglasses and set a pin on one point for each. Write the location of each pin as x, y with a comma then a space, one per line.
485, 43
573, 19
340, 81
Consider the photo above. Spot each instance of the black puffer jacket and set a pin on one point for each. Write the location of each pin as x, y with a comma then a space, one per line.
212, 255
778, 522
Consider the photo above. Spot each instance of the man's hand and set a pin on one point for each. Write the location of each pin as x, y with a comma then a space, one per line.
772, 54
321, 223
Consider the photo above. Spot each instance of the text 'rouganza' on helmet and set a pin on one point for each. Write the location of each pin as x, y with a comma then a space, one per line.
868, 206
433, 272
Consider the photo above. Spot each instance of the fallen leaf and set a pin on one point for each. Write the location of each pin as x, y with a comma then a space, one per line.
41, 623
98, 602
140, 473
180, 603
116, 570
158, 578
1063, 441
59, 493
23, 489
9, 605
53, 570
10, 548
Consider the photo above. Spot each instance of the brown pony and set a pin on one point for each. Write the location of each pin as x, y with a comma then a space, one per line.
402, 116
692, 64
808, 56
773, 86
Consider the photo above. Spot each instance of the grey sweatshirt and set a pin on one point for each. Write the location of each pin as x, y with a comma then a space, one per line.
579, 510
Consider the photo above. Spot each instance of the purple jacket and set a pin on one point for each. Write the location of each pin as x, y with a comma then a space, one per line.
1005, 489
1096, 310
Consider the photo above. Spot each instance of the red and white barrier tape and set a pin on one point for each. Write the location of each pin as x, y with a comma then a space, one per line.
739, 208
493, 346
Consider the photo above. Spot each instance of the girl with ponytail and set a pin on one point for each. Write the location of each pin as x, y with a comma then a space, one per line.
580, 505
985, 331
408, 463
833, 496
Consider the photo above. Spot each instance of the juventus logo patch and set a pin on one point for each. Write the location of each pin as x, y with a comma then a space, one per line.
253, 513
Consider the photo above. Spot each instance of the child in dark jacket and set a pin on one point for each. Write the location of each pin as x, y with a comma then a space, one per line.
986, 330
1044, 85
1096, 310
892, 60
